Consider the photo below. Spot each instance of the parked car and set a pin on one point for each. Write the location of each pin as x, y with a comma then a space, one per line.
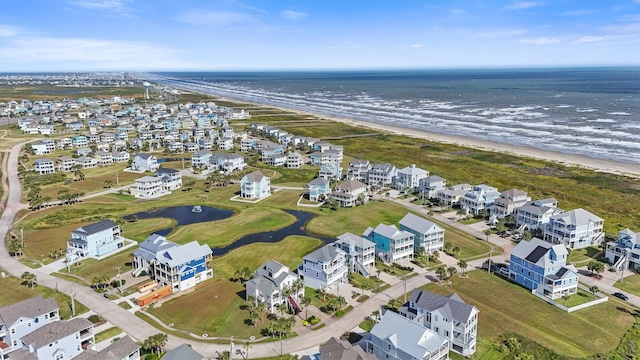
620, 295
504, 271
106, 296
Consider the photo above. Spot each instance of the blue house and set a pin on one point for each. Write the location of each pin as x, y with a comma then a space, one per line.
94, 240
79, 141
542, 267
392, 244
317, 188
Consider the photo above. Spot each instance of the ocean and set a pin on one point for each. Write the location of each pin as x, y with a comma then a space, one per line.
586, 111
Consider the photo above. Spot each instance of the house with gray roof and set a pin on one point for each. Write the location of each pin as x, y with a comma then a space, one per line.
44, 166
408, 178
448, 316
392, 244
625, 252
318, 188
268, 285
337, 349
479, 199
60, 339
182, 352
179, 266
537, 214
381, 175
398, 338
227, 162
426, 234
430, 186
575, 229
350, 193
255, 185
94, 240
542, 267
324, 267
358, 169
171, 178
22, 318
145, 162
451, 196
361, 253
508, 202
122, 349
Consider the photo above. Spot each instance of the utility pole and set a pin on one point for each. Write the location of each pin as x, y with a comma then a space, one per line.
22, 236
117, 180
405, 289
119, 280
490, 252
73, 303
231, 349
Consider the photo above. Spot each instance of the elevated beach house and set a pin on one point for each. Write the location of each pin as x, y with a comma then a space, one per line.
58, 340
426, 234
324, 267
255, 185
360, 252
537, 214
94, 240
350, 193
408, 178
625, 252
318, 188
270, 283
22, 318
145, 162
392, 244
575, 229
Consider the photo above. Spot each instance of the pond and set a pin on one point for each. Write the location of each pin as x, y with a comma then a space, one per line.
184, 216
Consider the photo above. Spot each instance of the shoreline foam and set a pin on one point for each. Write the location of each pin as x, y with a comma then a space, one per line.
587, 162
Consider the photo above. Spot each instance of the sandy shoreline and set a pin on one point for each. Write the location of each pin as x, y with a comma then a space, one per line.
600, 165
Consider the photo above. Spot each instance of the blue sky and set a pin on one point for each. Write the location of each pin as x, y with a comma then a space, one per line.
153, 35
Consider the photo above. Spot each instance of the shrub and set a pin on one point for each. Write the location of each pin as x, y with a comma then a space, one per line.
313, 320
340, 313
94, 318
143, 273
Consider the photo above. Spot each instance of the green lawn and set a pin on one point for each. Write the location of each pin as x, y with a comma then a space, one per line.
142, 228
106, 334
582, 256
577, 299
630, 284
89, 268
501, 305
370, 283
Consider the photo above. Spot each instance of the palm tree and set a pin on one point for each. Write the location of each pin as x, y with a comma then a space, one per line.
323, 293
487, 232
456, 251
594, 290
305, 301
441, 272
565, 298
108, 183
451, 271
461, 212
463, 265
261, 308
29, 278
246, 346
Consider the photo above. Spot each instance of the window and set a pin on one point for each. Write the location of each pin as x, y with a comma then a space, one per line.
13, 330
60, 357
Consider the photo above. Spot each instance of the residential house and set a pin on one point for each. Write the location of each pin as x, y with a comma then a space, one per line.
430, 186
65, 143
319, 158
360, 252
324, 267
179, 266
540, 266
123, 348
44, 166
227, 162
337, 349
508, 202
205, 143
94, 240
575, 229
225, 143
275, 159
408, 179
269, 283
75, 125
447, 316
79, 141
171, 178
294, 160
350, 193
392, 244
358, 170
536, 215
19, 319
200, 157
191, 147
84, 151
176, 147
120, 156
41, 147
60, 339
104, 158
255, 185
145, 162
147, 187
247, 145
136, 143
625, 252
479, 199
451, 196
182, 352
318, 189
427, 234
395, 337
330, 170
381, 175
86, 162
65, 163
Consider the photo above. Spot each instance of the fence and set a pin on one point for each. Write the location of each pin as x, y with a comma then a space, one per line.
601, 298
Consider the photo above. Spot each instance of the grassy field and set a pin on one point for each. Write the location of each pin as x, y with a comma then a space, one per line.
50, 92
13, 291
501, 305
89, 268
141, 229
630, 284
580, 257
106, 334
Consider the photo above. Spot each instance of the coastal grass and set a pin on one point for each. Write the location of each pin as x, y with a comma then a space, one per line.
501, 305
142, 228
13, 291
630, 284
88, 268
581, 297
579, 256
106, 334
224, 232
51, 92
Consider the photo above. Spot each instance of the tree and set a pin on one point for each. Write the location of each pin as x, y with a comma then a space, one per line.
594, 290
447, 246
463, 265
305, 301
29, 278
595, 267
456, 251
189, 185
487, 233
441, 272
155, 343
14, 247
565, 298
462, 212
108, 183
485, 214
323, 293
451, 271
526, 235
246, 346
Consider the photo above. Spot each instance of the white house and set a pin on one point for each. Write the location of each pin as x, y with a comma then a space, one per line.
294, 160
350, 193
427, 234
19, 319
408, 179
122, 349
575, 229
392, 244
255, 185
268, 285
60, 339
381, 174
625, 252
44, 166
147, 187
508, 202
145, 162
324, 267
227, 162
431, 185
536, 215
358, 169
360, 252
171, 178
479, 199
93, 240
65, 163
451, 196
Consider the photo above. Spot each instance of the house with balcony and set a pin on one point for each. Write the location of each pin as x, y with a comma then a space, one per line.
94, 240
426, 234
338, 349
205, 143
330, 170
395, 337
268, 285
44, 166
447, 316
227, 162
41, 147
408, 178
87, 162
64, 339
275, 159
145, 162
171, 178
430, 186
147, 187
122, 349
225, 143
294, 160
537, 214
358, 170
508, 202
360, 252
120, 156
542, 267
324, 267
451, 196
350, 193
255, 185
20, 319
319, 158
64, 144
65, 163
575, 229
179, 266
104, 158
392, 244
318, 188
481, 198
200, 158
247, 145
625, 252
381, 175
79, 141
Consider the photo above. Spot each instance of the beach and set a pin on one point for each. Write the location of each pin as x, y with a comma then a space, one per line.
596, 164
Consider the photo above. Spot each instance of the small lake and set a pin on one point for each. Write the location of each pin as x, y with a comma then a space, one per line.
184, 216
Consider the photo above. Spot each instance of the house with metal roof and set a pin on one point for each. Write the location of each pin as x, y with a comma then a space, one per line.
381, 174
337, 349
44, 166
451, 196
427, 234
625, 252
361, 253
408, 178
182, 352
396, 337
430, 186
145, 162
350, 193
537, 214
171, 178
392, 244
269, 283
255, 185
447, 316
358, 169
481, 198
575, 229
324, 267
148, 187
540, 266
122, 349
93, 240
20, 319
318, 188
60, 339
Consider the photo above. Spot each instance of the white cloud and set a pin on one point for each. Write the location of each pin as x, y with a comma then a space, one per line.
10, 30
499, 33
540, 41
292, 15
458, 11
523, 5
588, 39
217, 18
417, 46
100, 4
